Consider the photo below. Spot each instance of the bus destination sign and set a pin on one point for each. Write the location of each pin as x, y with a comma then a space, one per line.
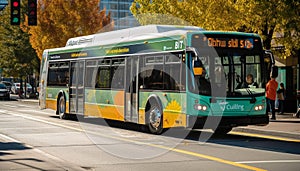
224, 41
229, 43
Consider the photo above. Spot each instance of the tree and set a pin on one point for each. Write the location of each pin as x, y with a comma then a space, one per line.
16, 54
265, 17
278, 22
59, 20
208, 14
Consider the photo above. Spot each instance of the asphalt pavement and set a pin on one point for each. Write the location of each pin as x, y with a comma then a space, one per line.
285, 125
12, 152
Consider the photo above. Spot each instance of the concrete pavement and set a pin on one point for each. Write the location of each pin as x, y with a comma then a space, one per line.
285, 126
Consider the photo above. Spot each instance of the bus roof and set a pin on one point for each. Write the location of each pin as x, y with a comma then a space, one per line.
230, 33
136, 34
131, 34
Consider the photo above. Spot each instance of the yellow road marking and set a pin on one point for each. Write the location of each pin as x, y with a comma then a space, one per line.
265, 136
208, 157
152, 145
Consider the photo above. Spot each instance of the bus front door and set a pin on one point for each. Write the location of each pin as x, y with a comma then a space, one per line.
76, 87
131, 90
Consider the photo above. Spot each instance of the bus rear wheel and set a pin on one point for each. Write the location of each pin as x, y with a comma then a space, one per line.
154, 118
62, 108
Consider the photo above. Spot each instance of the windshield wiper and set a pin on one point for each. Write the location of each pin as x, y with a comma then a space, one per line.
253, 99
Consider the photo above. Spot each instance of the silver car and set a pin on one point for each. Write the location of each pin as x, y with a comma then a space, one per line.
16, 88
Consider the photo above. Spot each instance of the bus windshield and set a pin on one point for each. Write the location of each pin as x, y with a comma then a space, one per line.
234, 73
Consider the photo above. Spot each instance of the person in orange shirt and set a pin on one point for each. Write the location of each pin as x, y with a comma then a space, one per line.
271, 88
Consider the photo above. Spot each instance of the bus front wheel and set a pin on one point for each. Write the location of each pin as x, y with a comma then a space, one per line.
62, 108
154, 117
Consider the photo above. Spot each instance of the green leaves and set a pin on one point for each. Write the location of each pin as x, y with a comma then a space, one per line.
16, 54
268, 18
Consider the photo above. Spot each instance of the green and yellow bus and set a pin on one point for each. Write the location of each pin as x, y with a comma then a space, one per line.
160, 76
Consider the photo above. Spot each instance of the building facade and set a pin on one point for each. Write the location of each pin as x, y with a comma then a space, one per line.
120, 13
3, 4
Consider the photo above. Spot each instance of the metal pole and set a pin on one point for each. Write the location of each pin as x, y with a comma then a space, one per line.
298, 80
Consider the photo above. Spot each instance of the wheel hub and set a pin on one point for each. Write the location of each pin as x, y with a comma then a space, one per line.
155, 118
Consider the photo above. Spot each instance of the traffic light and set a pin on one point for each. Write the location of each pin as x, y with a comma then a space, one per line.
32, 12
15, 15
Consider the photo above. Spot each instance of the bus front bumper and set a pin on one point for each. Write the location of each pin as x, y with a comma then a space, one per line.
226, 121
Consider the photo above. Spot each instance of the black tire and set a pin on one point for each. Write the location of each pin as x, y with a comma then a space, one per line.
61, 107
222, 130
154, 117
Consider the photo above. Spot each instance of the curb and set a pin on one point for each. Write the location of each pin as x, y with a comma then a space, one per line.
28, 100
269, 132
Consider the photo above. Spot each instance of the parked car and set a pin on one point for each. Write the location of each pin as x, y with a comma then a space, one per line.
4, 92
7, 84
16, 88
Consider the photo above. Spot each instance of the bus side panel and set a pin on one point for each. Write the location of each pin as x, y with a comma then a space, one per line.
108, 104
51, 99
51, 104
52, 95
173, 104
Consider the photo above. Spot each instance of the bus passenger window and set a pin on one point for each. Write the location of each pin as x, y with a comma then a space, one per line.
58, 74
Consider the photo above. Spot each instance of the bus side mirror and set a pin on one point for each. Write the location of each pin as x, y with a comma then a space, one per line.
269, 57
193, 51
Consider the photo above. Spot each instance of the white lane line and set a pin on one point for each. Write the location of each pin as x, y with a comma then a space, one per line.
35, 111
8, 105
15, 106
9, 138
269, 161
3, 111
44, 121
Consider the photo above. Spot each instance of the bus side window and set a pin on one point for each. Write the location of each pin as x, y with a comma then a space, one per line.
58, 73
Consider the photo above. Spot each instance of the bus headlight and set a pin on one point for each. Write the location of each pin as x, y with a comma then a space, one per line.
258, 107
200, 107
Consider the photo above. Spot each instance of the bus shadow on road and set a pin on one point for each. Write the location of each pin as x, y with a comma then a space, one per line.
249, 142
243, 141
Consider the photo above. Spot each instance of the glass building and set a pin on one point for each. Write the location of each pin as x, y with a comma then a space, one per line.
3, 3
120, 13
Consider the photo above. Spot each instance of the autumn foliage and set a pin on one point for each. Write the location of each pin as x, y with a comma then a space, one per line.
277, 22
59, 20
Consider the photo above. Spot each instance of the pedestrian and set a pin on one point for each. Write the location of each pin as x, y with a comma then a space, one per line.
297, 114
271, 88
281, 97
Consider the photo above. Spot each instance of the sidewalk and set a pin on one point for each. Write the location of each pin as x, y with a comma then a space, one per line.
16, 97
285, 126
29, 100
